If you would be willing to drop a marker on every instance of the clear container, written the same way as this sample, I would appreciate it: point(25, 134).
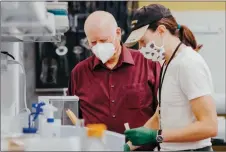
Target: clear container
point(14, 124)
point(114, 141)
point(62, 103)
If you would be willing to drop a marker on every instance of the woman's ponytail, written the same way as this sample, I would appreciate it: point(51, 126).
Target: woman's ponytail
point(185, 34)
point(187, 37)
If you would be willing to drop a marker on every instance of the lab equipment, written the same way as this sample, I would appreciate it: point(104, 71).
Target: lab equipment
point(114, 141)
point(74, 119)
point(61, 50)
point(37, 11)
point(44, 27)
point(20, 127)
point(132, 147)
point(47, 122)
point(71, 116)
point(38, 110)
point(30, 21)
point(62, 103)
point(95, 137)
point(48, 111)
point(60, 14)
point(49, 129)
point(127, 126)
point(14, 125)
point(65, 134)
point(7, 60)
point(23, 21)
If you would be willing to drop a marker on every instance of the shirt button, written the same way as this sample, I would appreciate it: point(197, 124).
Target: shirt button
point(113, 101)
point(113, 116)
point(112, 86)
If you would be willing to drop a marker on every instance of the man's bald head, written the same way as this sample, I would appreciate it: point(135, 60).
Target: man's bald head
point(100, 20)
point(101, 26)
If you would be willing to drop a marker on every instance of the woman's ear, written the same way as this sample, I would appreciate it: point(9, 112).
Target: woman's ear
point(161, 29)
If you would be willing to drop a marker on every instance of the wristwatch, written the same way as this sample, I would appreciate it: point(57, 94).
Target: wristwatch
point(159, 137)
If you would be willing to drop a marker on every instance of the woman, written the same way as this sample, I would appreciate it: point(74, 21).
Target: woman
point(186, 118)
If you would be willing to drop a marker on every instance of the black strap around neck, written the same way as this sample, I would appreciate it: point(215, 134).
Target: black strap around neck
point(162, 74)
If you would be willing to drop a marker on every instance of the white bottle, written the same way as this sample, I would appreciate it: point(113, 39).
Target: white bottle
point(49, 127)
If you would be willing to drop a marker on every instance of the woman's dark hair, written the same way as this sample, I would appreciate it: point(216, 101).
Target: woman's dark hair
point(183, 32)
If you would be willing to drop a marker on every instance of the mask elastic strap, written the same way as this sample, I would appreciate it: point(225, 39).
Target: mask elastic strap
point(162, 41)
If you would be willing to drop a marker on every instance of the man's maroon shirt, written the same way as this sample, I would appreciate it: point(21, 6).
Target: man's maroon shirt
point(125, 94)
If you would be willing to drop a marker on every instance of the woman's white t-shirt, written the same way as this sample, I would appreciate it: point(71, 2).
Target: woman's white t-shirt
point(187, 77)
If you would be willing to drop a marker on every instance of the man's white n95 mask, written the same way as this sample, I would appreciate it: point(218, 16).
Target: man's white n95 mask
point(153, 52)
point(103, 51)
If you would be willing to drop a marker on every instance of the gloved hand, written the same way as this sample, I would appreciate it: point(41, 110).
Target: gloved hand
point(126, 147)
point(141, 135)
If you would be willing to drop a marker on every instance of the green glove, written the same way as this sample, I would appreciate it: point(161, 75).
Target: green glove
point(141, 136)
point(126, 147)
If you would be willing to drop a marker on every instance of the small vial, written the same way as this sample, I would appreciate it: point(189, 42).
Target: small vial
point(127, 126)
point(132, 147)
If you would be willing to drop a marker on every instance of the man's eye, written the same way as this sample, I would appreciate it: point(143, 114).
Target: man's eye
point(93, 43)
point(103, 40)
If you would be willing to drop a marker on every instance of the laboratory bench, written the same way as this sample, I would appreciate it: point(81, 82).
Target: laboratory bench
point(220, 144)
point(219, 147)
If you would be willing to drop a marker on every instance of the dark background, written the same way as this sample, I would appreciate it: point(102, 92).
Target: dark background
point(53, 71)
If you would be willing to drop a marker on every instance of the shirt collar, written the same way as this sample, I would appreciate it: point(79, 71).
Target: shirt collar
point(125, 57)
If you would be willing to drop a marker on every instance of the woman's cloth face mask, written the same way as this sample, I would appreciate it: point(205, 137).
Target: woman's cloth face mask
point(103, 51)
point(153, 52)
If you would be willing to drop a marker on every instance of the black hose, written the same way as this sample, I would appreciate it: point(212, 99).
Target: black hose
point(6, 53)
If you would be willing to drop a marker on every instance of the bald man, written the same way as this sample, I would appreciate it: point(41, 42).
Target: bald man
point(117, 85)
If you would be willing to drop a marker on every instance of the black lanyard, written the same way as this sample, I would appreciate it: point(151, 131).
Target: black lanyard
point(162, 75)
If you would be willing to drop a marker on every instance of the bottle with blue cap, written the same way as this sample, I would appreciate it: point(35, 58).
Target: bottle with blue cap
point(48, 111)
point(31, 130)
point(49, 127)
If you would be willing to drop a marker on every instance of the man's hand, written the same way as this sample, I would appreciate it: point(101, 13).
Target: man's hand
point(126, 147)
point(141, 136)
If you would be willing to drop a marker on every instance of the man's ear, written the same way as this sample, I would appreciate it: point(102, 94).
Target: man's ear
point(119, 33)
point(89, 43)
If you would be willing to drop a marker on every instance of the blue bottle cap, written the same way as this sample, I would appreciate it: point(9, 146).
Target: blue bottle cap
point(29, 130)
point(50, 120)
point(60, 12)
